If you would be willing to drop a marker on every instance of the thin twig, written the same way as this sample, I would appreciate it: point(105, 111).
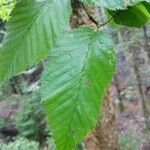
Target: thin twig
point(94, 21)
point(90, 17)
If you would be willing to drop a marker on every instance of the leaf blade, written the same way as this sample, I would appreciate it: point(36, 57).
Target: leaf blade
point(32, 31)
point(115, 4)
point(135, 16)
point(74, 82)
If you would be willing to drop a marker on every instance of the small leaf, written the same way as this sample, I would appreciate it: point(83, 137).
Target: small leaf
point(135, 16)
point(32, 31)
point(73, 84)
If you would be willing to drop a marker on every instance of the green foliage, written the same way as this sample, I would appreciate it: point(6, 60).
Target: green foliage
point(2, 122)
point(135, 16)
point(32, 31)
point(6, 6)
point(74, 82)
point(5, 90)
point(2, 146)
point(115, 4)
point(1, 93)
point(147, 5)
point(128, 140)
point(50, 143)
point(30, 118)
point(20, 144)
point(81, 65)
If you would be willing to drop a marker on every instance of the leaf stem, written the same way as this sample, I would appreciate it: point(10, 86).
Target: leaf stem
point(103, 24)
point(90, 17)
point(94, 21)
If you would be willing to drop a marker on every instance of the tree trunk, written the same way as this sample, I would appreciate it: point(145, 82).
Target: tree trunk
point(104, 136)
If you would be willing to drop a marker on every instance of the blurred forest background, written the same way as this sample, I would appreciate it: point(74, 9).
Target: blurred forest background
point(126, 111)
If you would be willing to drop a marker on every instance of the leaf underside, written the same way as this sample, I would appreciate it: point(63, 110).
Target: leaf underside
point(73, 84)
point(135, 16)
point(31, 33)
point(115, 4)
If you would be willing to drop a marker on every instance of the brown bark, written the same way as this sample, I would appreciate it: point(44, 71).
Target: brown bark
point(104, 136)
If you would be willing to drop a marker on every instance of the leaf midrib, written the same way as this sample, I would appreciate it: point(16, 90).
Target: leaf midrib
point(79, 85)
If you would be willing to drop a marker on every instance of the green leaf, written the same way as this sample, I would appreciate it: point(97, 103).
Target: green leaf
point(114, 4)
point(74, 82)
point(147, 5)
point(32, 31)
point(135, 16)
point(6, 6)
